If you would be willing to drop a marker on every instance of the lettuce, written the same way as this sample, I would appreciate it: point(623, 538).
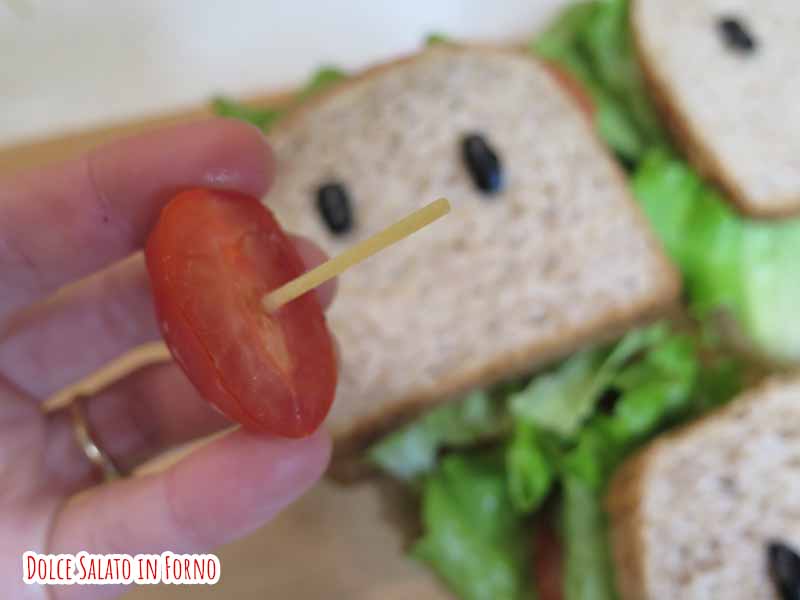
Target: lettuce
point(654, 392)
point(265, 118)
point(324, 78)
point(770, 288)
point(591, 40)
point(607, 43)
point(699, 231)
point(668, 385)
point(659, 379)
point(530, 465)
point(473, 538)
point(412, 450)
point(559, 41)
point(734, 266)
point(554, 407)
point(560, 401)
point(742, 267)
point(436, 38)
point(588, 570)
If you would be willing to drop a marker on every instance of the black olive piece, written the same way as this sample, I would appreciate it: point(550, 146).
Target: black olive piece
point(784, 569)
point(482, 163)
point(735, 35)
point(333, 204)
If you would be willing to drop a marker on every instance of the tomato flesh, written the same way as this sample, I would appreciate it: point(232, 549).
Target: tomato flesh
point(573, 87)
point(211, 257)
point(547, 558)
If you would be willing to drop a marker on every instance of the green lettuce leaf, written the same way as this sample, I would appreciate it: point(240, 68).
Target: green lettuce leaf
point(560, 401)
point(607, 41)
point(473, 538)
point(720, 379)
point(561, 36)
point(698, 229)
point(660, 381)
point(265, 118)
point(436, 38)
point(666, 188)
point(588, 573)
point(562, 44)
point(530, 467)
point(656, 391)
point(412, 451)
point(592, 41)
point(658, 376)
point(553, 408)
point(770, 288)
point(743, 266)
point(322, 79)
point(734, 265)
point(616, 127)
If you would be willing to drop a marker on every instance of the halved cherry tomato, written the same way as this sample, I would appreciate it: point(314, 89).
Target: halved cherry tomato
point(574, 87)
point(211, 257)
point(547, 567)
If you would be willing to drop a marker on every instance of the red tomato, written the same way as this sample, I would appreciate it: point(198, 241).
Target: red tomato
point(574, 87)
point(547, 568)
point(211, 257)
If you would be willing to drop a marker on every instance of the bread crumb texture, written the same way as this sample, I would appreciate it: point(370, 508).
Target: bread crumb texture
point(504, 282)
point(737, 112)
point(692, 515)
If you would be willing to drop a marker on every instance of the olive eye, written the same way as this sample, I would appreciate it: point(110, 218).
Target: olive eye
point(482, 163)
point(333, 205)
point(784, 569)
point(735, 35)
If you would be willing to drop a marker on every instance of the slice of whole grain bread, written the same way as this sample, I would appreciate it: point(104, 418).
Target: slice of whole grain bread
point(691, 514)
point(736, 112)
point(560, 258)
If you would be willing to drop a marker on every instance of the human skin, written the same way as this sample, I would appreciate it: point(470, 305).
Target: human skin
point(74, 294)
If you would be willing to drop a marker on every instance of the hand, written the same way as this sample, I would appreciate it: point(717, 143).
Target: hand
point(81, 225)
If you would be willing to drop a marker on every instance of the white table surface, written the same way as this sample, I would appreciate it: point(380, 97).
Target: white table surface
point(71, 64)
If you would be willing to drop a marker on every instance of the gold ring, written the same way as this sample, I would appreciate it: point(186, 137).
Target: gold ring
point(83, 436)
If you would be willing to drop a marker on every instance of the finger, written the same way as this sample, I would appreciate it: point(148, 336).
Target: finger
point(219, 493)
point(103, 316)
point(79, 329)
point(133, 420)
point(73, 218)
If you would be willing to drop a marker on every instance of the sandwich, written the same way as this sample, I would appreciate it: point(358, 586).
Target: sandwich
point(723, 74)
point(505, 369)
point(540, 213)
point(685, 102)
point(708, 510)
point(544, 262)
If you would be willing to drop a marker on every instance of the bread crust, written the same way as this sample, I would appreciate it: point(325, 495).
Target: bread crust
point(626, 526)
point(699, 153)
point(297, 112)
point(350, 443)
